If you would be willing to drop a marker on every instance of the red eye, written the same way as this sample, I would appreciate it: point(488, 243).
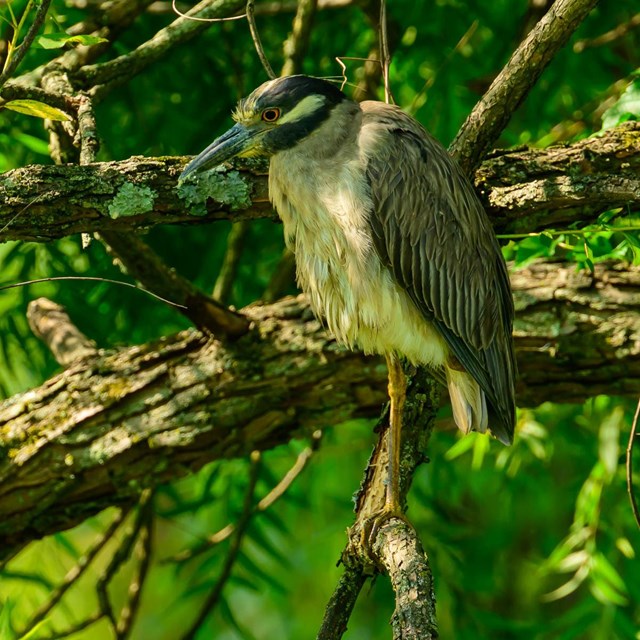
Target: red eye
point(270, 115)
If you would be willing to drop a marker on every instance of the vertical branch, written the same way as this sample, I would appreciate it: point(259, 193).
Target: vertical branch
point(229, 268)
point(295, 47)
point(145, 542)
point(385, 56)
point(629, 466)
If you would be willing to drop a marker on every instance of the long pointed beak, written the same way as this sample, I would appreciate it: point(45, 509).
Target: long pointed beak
point(227, 146)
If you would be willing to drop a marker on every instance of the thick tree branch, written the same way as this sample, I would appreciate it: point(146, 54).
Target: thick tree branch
point(524, 189)
point(93, 435)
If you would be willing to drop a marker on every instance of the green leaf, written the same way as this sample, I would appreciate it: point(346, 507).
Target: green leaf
point(36, 109)
point(626, 108)
point(59, 40)
point(609, 442)
point(603, 570)
point(5, 620)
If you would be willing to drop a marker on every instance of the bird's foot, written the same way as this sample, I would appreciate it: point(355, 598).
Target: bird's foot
point(373, 525)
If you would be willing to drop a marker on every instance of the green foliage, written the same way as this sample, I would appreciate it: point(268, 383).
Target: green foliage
point(36, 109)
point(536, 541)
point(626, 108)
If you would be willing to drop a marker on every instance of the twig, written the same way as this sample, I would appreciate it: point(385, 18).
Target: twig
point(121, 69)
point(177, 11)
point(610, 36)
point(255, 36)
point(76, 572)
point(385, 56)
point(399, 550)
point(121, 555)
point(341, 604)
point(297, 43)
point(232, 554)
point(13, 285)
point(409, 575)
point(87, 130)
point(231, 260)
point(23, 47)
point(630, 490)
point(277, 492)
point(466, 36)
point(494, 110)
point(145, 542)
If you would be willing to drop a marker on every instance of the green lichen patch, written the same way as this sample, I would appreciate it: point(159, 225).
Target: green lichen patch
point(226, 187)
point(131, 200)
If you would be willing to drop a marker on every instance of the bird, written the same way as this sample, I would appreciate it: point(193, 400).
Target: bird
point(393, 247)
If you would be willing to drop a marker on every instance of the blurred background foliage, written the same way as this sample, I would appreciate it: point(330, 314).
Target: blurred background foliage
point(536, 541)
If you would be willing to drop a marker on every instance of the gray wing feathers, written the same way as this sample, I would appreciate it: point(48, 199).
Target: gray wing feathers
point(431, 230)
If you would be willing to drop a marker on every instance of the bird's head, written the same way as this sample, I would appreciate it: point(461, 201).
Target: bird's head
point(276, 116)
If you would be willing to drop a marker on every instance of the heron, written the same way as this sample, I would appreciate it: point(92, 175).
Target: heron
point(393, 247)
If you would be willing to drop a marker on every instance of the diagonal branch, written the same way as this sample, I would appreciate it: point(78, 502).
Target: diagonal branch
point(490, 116)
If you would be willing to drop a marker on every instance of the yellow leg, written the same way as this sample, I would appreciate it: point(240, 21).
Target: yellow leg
point(397, 396)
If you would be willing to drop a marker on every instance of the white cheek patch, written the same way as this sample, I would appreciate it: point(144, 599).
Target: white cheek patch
point(305, 107)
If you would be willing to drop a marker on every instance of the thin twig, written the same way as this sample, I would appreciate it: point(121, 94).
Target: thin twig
point(145, 543)
point(23, 47)
point(75, 572)
point(297, 43)
point(630, 490)
point(87, 130)
point(468, 34)
point(610, 36)
point(275, 494)
point(234, 549)
point(92, 279)
point(121, 555)
point(385, 56)
point(196, 19)
point(145, 265)
point(256, 39)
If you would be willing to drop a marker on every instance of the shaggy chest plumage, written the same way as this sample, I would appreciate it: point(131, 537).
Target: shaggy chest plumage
point(324, 204)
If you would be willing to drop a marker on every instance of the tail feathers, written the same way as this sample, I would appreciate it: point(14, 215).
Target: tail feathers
point(467, 401)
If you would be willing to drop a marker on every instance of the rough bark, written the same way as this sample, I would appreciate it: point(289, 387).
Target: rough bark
point(95, 434)
point(524, 190)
